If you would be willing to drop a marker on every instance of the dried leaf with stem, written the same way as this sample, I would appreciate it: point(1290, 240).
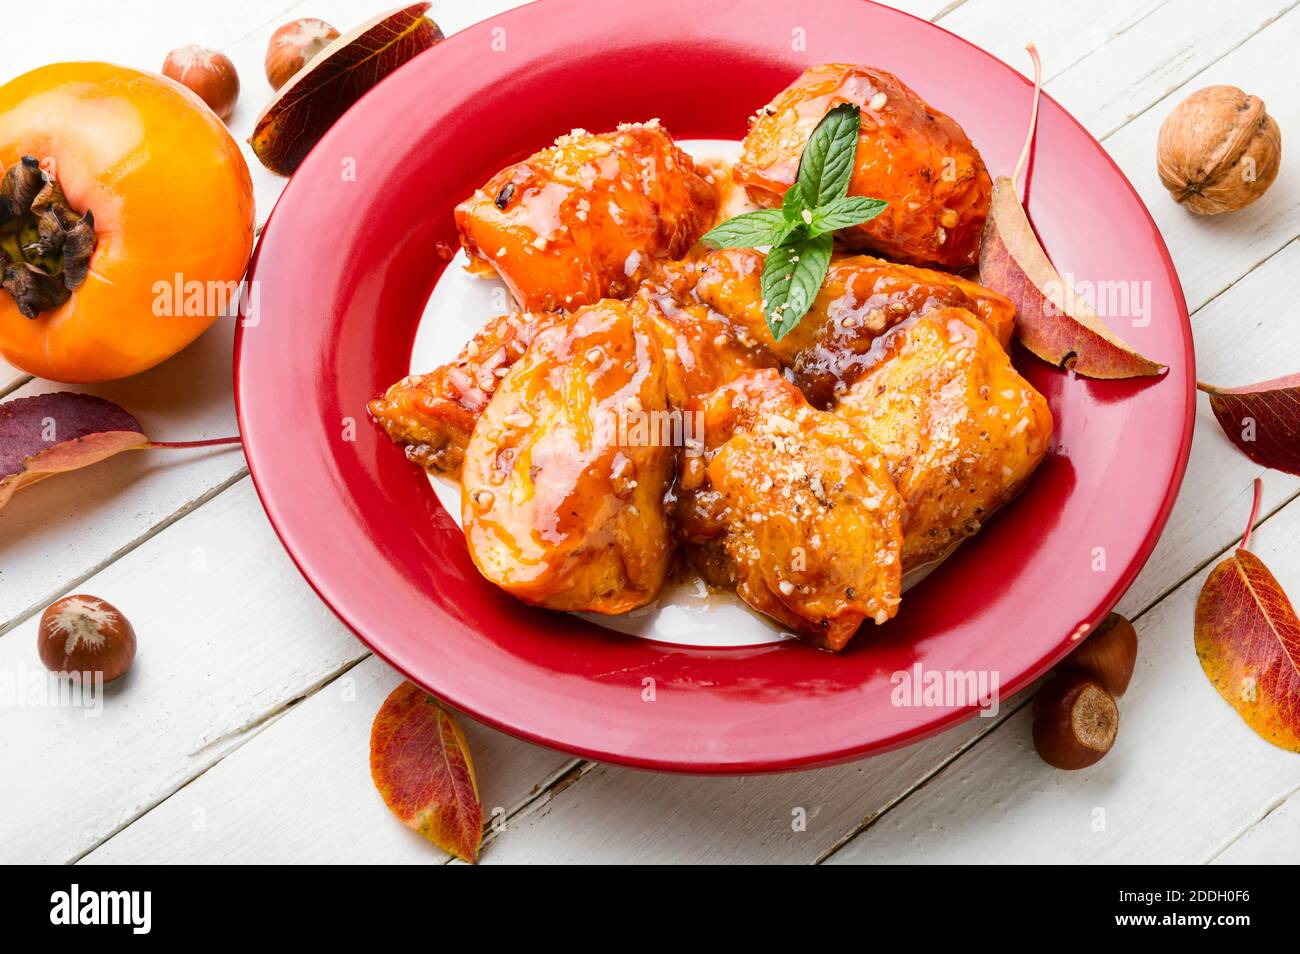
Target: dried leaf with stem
point(1052, 321)
point(50, 434)
point(1263, 420)
point(1248, 642)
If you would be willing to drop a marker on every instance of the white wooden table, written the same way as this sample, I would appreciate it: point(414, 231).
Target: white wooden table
point(242, 732)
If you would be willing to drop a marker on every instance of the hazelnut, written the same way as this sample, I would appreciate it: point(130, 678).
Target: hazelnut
point(207, 73)
point(1075, 721)
point(85, 634)
point(1218, 150)
point(293, 46)
point(1108, 655)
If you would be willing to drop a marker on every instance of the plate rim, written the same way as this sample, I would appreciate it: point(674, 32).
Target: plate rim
point(941, 719)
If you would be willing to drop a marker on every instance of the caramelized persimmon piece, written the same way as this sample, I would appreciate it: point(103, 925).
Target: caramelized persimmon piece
point(909, 154)
point(562, 490)
point(703, 347)
point(432, 415)
point(861, 298)
point(586, 218)
point(961, 429)
point(794, 508)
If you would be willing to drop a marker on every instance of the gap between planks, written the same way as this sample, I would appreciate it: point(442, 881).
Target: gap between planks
point(233, 741)
point(1195, 73)
point(67, 585)
point(551, 784)
point(945, 11)
point(1251, 826)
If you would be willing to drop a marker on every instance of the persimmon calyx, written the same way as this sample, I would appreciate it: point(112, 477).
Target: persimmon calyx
point(45, 245)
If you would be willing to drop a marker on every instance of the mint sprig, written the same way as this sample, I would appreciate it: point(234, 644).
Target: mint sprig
point(799, 233)
point(793, 273)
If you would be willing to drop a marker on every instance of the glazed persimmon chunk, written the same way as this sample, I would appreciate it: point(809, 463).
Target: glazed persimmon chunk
point(861, 298)
point(562, 506)
point(586, 218)
point(960, 428)
point(793, 508)
point(909, 154)
point(433, 415)
point(704, 349)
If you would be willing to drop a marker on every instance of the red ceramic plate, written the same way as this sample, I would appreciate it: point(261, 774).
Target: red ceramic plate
point(345, 268)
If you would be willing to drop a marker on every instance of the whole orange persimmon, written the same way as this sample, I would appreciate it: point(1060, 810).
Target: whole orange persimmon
point(120, 188)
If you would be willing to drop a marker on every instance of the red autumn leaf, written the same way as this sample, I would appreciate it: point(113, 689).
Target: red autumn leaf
point(51, 433)
point(311, 102)
point(1263, 420)
point(1248, 641)
point(1052, 320)
point(420, 762)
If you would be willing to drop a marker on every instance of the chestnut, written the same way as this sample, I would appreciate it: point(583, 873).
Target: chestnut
point(293, 46)
point(208, 73)
point(1108, 655)
point(1075, 721)
point(85, 634)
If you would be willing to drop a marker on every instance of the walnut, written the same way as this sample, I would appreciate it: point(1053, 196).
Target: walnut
point(1218, 150)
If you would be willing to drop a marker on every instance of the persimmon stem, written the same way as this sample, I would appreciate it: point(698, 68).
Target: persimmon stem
point(211, 442)
point(1254, 512)
point(1033, 114)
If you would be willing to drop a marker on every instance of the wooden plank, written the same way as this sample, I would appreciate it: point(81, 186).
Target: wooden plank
point(1241, 336)
point(300, 791)
point(1273, 840)
point(59, 530)
point(11, 378)
point(1212, 252)
point(138, 33)
point(615, 814)
point(1109, 61)
point(229, 634)
point(1185, 777)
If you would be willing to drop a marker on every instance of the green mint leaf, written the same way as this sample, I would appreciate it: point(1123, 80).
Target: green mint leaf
point(793, 205)
point(844, 212)
point(826, 165)
point(790, 232)
point(792, 276)
point(765, 227)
